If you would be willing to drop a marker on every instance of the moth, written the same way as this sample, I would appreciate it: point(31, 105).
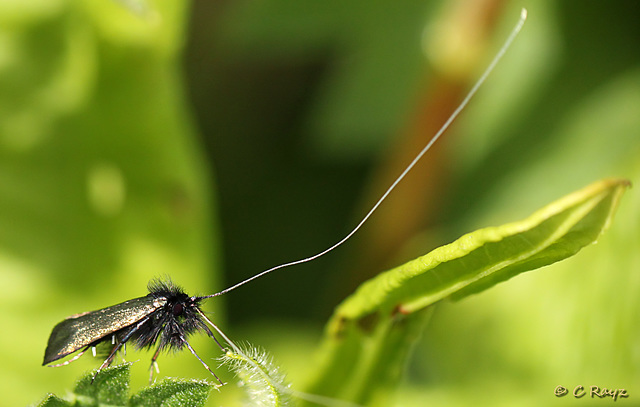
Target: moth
point(167, 316)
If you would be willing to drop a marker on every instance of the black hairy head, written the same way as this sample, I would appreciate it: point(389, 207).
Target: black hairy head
point(170, 325)
point(164, 288)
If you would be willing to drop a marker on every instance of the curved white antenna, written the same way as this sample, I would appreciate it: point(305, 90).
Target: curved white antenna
point(445, 126)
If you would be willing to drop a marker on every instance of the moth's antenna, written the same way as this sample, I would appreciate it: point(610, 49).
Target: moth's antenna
point(445, 126)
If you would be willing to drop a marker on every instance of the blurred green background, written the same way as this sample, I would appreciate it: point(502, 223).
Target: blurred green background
point(211, 140)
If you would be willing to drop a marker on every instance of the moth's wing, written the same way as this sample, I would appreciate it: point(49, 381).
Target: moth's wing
point(81, 330)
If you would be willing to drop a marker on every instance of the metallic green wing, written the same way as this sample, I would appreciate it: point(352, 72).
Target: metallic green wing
point(80, 330)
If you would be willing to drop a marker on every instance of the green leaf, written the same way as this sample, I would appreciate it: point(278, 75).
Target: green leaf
point(487, 256)
point(370, 334)
point(54, 401)
point(110, 387)
point(173, 392)
point(261, 377)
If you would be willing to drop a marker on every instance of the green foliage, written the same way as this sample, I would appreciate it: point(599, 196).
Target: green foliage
point(174, 393)
point(262, 379)
point(54, 401)
point(110, 387)
point(369, 335)
point(488, 256)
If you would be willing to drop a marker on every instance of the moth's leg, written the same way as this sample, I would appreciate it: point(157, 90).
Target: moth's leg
point(114, 340)
point(219, 344)
point(202, 314)
point(66, 362)
point(184, 340)
point(108, 360)
point(154, 365)
point(124, 352)
point(118, 345)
